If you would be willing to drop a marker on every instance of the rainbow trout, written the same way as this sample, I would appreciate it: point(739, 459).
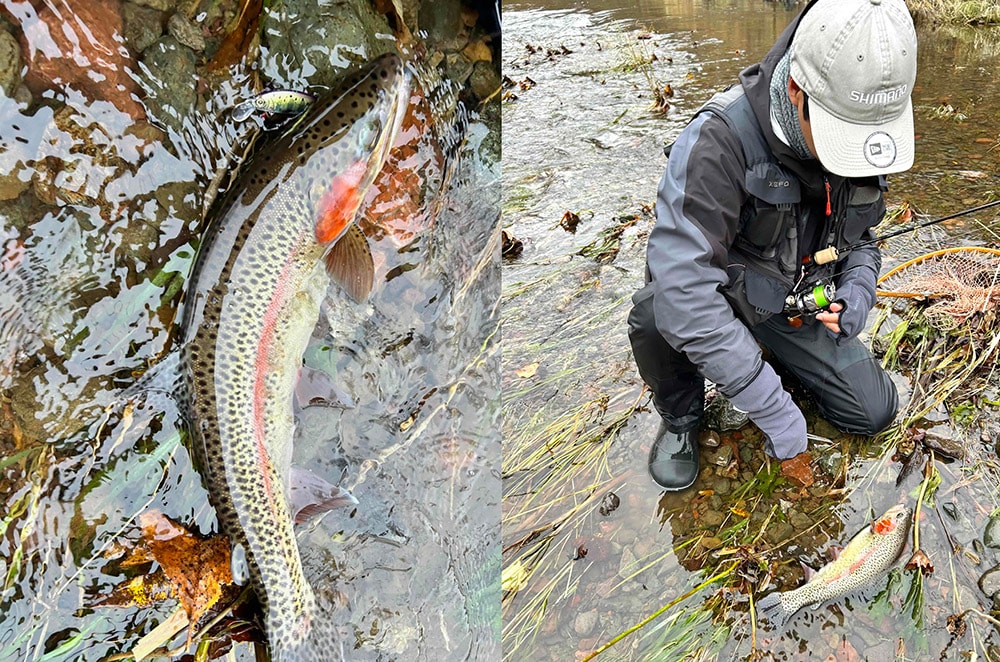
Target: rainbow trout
point(285, 228)
point(867, 556)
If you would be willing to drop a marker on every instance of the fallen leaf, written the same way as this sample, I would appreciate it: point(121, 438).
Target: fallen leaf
point(190, 569)
point(920, 561)
point(527, 371)
point(240, 39)
point(197, 568)
point(799, 470)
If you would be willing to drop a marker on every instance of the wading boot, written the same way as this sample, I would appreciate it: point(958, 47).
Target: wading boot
point(673, 460)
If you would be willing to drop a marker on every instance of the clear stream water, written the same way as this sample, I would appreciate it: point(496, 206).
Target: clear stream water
point(95, 252)
point(579, 137)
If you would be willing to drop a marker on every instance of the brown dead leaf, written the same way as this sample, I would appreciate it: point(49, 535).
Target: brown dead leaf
point(527, 371)
point(240, 39)
point(920, 561)
point(393, 11)
point(197, 568)
point(191, 569)
point(798, 470)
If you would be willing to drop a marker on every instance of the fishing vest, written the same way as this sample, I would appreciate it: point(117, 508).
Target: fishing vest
point(765, 255)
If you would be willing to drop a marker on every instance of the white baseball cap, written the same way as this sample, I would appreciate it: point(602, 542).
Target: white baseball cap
point(857, 61)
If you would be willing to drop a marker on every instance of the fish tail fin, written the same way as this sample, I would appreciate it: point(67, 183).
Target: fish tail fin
point(321, 643)
point(773, 608)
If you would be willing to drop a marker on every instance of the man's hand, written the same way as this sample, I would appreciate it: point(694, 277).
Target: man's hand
point(831, 319)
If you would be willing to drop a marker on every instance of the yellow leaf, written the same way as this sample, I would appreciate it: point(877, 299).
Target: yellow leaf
point(513, 577)
point(527, 371)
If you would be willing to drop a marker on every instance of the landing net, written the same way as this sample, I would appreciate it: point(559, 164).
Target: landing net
point(960, 282)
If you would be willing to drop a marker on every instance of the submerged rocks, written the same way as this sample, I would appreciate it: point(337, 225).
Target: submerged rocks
point(989, 583)
point(10, 63)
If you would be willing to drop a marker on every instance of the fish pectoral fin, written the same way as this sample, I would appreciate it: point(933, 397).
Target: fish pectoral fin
point(238, 564)
point(315, 388)
point(349, 263)
point(310, 495)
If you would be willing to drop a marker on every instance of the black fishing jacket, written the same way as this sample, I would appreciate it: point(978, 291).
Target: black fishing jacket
point(731, 232)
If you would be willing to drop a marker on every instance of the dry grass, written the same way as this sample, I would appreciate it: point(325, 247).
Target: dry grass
point(955, 12)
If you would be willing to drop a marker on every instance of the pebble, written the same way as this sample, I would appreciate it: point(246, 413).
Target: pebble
point(186, 32)
point(830, 461)
point(991, 537)
point(713, 518)
point(711, 542)
point(627, 566)
point(709, 439)
point(585, 623)
point(722, 456)
point(10, 63)
point(723, 486)
point(799, 520)
point(989, 583)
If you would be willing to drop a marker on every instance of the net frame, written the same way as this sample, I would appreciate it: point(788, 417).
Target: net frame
point(957, 253)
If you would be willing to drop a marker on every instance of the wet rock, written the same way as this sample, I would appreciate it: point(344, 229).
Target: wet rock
point(628, 565)
point(778, 532)
point(720, 457)
point(991, 536)
point(171, 94)
point(484, 80)
point(478, 51)
point(944, 446)
point(830, 461)
point(142, 26)
point(66, 53)
point(798, 520)
point(713, 519)
point(159, 5)
point(721, 415)
point(186, 32)
point(989, 583)
point(585, 623)
point(609, 504)
point(709, 439)
point(444, 23)
point(329, 36)
point(711, 542)
point(10, 63)
point(457, 67)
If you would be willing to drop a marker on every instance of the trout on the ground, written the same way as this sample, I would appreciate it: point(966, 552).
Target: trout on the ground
point(866, 557)
point(284, 229)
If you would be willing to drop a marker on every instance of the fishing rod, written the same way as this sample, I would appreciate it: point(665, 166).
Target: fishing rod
point(817, 295)
point(831, 254)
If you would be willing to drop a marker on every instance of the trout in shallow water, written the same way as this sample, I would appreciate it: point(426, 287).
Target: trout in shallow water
point(866, 557)
point(285, 228)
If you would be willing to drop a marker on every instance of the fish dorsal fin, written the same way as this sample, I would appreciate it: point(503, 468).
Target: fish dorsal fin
point(349, 263)
point(310, 495)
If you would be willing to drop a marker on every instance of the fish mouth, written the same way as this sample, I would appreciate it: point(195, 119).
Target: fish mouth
point(392, 121)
